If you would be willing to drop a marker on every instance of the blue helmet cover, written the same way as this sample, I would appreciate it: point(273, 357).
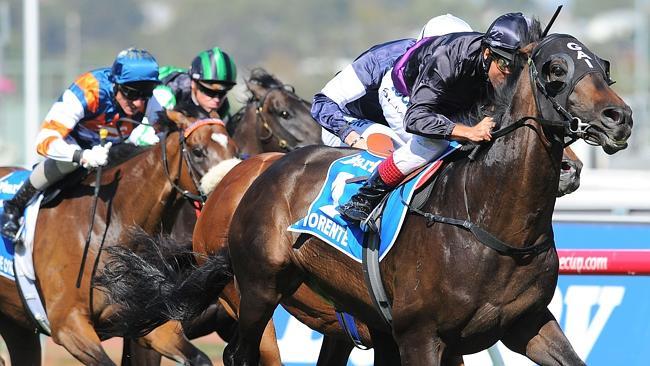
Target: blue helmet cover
point(132, 65)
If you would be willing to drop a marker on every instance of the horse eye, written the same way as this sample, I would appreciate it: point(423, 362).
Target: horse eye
point(557, 71)
point(198, 152)
point(284, 114)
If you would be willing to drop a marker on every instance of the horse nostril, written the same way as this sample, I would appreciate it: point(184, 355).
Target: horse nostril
point(615, 114)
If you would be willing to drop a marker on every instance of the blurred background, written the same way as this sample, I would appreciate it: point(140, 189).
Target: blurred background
point(304, 43)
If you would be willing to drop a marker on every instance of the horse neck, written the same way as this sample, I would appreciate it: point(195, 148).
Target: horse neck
point(245, 135)
point(511, 190)
point(150, 194)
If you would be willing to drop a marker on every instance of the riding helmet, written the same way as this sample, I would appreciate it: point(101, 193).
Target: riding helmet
point(134, 65)
point(214, 66)
point(506, 34)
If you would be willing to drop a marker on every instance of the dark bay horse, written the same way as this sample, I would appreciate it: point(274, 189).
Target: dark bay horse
point(143, 191)
point(211, 234)
point(450, 293)
point(274, 119)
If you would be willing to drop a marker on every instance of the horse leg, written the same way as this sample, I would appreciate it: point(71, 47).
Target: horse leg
point(76, 334)
point(539, 337)
point(169, 340)
point(386, 350)
point(227, 305)
point(334, 351)
point(23, 344)
point(419, 346)
point(134, 354)
point(257, 306)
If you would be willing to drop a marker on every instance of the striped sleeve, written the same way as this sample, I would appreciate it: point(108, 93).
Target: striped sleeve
point(78, 100)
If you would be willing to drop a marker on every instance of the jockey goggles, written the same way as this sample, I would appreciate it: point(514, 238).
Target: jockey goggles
point(502, 64)
point(132, 93)
point(212, 93)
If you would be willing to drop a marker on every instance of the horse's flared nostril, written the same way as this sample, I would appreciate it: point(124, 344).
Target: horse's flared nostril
point(616, 115)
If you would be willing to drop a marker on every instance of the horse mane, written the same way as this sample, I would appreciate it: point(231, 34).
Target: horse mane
point(262, 77)
point(500, 99)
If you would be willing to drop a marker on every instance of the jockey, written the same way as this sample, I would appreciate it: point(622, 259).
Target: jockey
point(447, 75)
point(361, 99)
point(69, 135)
point(201, 91)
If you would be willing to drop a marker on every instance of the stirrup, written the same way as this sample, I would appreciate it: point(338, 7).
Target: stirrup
point(16, 237)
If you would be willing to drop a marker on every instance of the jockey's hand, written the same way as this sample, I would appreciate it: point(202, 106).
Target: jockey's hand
point(143, 135)
point(478, 133)
point(95, 157)
point(355, 140)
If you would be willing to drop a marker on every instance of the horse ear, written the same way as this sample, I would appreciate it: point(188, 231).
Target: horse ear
point(256, 88)
point(178, 118)
point(528, 49)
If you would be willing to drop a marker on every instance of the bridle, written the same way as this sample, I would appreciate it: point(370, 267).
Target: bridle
point(269, 134)
point(553, 114)
point(185, 154)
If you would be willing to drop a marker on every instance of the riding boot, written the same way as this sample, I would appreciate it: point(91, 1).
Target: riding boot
point(370, 194)
point(14, 208)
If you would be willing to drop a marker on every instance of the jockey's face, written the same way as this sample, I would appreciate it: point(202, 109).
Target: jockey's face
point(208, 99)
point(497, 71)
point(132, 101)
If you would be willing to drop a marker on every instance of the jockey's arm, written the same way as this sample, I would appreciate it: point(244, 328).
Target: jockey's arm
point(328, 107)
point(61, 119)
point(145, 135)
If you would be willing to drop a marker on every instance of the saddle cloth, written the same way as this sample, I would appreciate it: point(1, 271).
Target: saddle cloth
point(323, 221)
point(17, 260)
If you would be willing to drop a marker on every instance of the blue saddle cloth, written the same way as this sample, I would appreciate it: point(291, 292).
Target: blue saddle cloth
point(9, 185)
point(323, 221)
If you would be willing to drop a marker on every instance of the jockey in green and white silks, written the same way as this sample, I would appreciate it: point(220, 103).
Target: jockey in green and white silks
point(69, 137)
point(202, 90)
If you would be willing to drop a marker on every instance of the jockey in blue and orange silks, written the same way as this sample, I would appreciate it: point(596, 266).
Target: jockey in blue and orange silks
point(69, 137)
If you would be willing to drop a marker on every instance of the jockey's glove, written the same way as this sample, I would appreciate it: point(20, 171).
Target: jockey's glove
point(143, 135)
point(95, 157)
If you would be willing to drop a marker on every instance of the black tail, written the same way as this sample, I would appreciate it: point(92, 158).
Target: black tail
point(155, 284)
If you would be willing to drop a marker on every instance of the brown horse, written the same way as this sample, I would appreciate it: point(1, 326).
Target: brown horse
point(274, 118)
point(144, 191)
point(211, 234)
point(475, 300)
point(481, 293)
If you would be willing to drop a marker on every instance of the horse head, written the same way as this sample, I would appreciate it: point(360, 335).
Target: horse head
point(284, 120)
point(569, 173)
point(573, 84)
point(207, 151)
